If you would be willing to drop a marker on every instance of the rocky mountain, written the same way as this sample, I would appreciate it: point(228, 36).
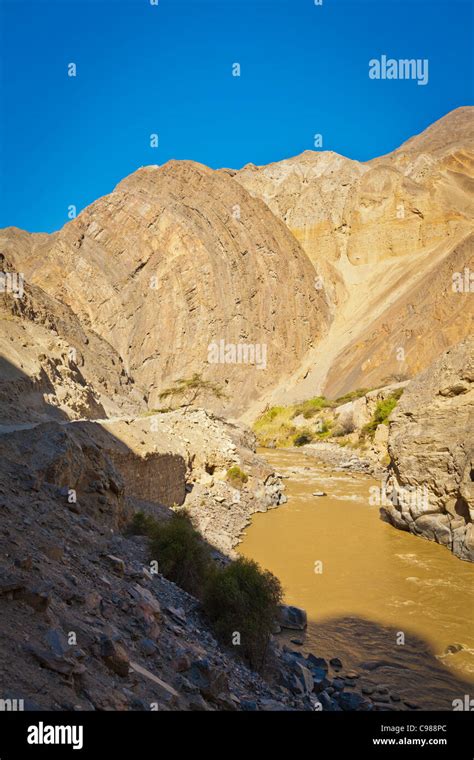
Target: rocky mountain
point(313, 274)
point(430, 486)
point(316, 274)
point(175, 260)
point(387, 237)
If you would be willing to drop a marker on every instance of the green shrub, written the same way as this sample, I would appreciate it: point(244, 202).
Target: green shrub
point(273, 427)
point(381, 414)
point(324, 430)
point(270, 415)
point(302, 439)
point(142, 524)
point(311, 407)
point(242, 598)
point(236, 476)
point(189, 389)
point(351, 396)
point(182, 555)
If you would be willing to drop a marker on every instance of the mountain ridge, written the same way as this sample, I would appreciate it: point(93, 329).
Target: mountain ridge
point(347, 241)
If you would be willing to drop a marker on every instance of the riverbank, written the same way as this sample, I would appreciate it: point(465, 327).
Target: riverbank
point(341, 458)
point(395, 610)
point(140, 639)
point(88, 622)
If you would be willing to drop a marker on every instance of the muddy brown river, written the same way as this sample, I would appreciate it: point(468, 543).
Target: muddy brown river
point(397, 609)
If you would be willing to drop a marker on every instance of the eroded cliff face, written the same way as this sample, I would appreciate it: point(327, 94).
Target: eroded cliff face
point(387, 236)
point(338, 274)
point(431, 476)
point(423, 315)
point(183, 459)
point(52, 366)
point(176, 259)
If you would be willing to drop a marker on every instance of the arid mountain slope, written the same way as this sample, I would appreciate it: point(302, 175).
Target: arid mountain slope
point(387, 236)
point(453, 131)
point(417, 325)
point(180, 258)
point(51, 366)
point(175, 259)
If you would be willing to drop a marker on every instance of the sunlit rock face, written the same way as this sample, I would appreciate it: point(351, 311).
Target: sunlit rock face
point(431, 479)
point(391, 238)
point(180, 258)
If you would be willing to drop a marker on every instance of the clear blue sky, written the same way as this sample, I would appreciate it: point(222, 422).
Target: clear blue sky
point(167, 69)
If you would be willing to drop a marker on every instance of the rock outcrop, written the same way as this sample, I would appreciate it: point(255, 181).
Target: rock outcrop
point(53, 366)
point(430, 487)
point(177, 459)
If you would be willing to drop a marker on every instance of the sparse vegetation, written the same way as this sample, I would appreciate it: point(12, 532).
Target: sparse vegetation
point(351, 396)
point(276, 426)
point(381, 414)
point(270, 414)
point(182, 555)
point(142, 524)
point(310, 408)
point(189, 390)
point(162, 410)
point(236, 476)
point(243, 599)
point(324, 428)
point(239, 598)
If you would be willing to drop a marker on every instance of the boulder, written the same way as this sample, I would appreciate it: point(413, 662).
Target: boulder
point(349, 702)
point(211, 681)
point(291, 617)
point(115, 656)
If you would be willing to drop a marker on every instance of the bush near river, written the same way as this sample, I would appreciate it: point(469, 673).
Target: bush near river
point(240, 600)
point(320, 419)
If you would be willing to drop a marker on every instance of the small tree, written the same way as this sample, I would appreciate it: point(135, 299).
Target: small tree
point(243, 599)
point(142, 525)
point(182, 555)
point(190, 389)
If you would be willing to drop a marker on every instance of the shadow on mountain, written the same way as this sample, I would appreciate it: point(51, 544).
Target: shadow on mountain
point(80, 474)
point(43, 446)
point(22, 399)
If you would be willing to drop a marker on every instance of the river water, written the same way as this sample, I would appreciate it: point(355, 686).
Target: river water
point(396, 608)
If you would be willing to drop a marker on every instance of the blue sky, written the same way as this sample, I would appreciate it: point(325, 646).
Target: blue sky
point(167, 69)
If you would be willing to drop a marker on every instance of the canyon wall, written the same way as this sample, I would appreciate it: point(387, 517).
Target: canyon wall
point(431, 435)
